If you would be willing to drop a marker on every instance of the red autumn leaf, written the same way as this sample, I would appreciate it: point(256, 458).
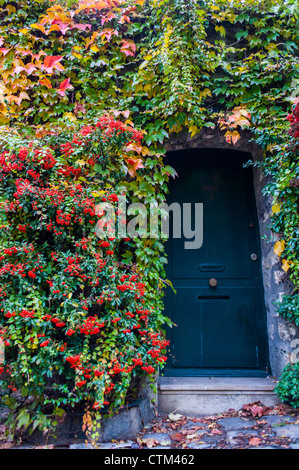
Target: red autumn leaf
point(124, 19)
point(178, 436)
point(4, 50)
point(255, 441)
point(215, 431)
point(65, 85)
point(228, 137)
point(82, 27)
point(107, 33)
point(18, 69)
point(109, 17)
point(126, 114)
point(52, 62)
point(256, 410)
point(58, 25)
point(128, 48)
point(30, 68)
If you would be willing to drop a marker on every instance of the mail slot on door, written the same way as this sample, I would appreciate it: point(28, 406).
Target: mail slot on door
point(206, 268)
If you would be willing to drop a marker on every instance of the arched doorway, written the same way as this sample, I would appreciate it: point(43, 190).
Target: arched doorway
point(218, 306)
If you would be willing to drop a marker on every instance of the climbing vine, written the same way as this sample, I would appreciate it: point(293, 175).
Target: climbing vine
point(168, 66)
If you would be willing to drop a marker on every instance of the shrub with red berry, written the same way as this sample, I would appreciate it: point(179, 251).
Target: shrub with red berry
point(81, 316)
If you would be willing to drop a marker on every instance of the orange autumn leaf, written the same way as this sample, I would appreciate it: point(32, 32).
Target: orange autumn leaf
point(46, 82)
point(134, 165)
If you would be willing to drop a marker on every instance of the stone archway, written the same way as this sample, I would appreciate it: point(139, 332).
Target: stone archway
point(280, 332)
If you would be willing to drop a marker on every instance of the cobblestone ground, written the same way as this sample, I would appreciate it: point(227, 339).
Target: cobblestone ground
point(252, 427)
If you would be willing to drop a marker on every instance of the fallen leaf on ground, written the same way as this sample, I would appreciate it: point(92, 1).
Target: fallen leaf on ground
point(215, 431)
point(255, 441)
point(253, 409)
point(165, 442)
point(6, 445)
point(149, 442)
point(175, 417)
point(178, 436)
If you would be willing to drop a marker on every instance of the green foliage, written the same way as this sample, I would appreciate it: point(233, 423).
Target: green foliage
point(177, 66)
point(81, 317)
point(288, 387)
point(289, 308)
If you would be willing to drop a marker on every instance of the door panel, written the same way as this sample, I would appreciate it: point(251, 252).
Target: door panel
point(217, 330)
point(223, 192)
point(221, 327)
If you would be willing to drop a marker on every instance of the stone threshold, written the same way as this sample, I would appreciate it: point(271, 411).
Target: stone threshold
point(199, 396)
point(216, 384)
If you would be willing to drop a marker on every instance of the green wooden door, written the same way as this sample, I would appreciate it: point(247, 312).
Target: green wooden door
point(220, 329)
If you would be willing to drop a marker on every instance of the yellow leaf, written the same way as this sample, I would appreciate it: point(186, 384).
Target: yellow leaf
point(70, 295)
point(80, 162)
point(221, 30)
point(235, 137)
point(75, 54)
point(94, 48)
point(147, 87)
point(279, 247)
point(71, 117)
point(276, 208)
point(193, 130)
point(11, 9)
point(286, 265)
point(38, 26)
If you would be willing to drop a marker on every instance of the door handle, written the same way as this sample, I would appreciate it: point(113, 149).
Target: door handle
point(213, 282)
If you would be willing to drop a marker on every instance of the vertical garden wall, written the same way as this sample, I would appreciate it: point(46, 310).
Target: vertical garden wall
point(90, 93)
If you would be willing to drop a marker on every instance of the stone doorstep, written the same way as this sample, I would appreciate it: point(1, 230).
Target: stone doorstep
point(199, 396)
point(216, 384)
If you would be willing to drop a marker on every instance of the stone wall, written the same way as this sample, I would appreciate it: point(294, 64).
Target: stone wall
point(281, 333)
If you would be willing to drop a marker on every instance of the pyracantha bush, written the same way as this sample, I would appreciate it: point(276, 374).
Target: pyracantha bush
point(80, 317)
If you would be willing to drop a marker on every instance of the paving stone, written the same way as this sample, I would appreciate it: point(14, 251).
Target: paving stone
point(197, 445)
point(232, 436)
point(24, 447)
point(81, 446)
point(103, 445)
point(231, 424)
point(158, 436)
point(290, 430)
point(160, 447)
point(277, 419)
point(264, 447)
point(294, 445)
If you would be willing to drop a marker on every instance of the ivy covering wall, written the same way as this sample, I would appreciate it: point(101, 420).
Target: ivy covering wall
point(167, 66)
